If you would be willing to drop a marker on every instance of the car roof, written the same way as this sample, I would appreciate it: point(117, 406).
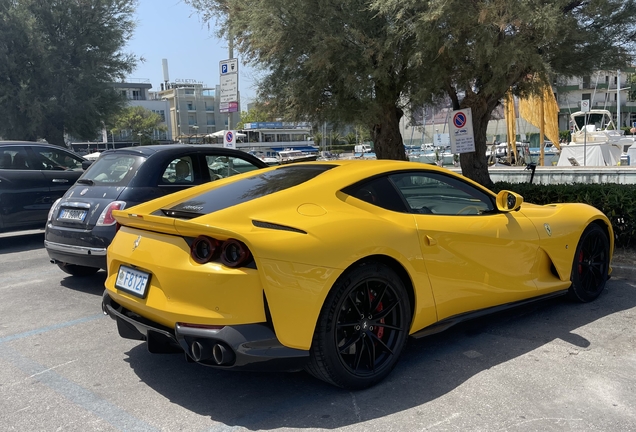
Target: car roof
point(37, 143)
point(19, 143)
point(174, 148)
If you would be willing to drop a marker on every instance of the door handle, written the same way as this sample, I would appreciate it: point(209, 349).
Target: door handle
point(430, 240)
point(60, 181)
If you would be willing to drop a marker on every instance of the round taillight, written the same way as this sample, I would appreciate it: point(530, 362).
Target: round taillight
point(235, 253)
point(204, 249)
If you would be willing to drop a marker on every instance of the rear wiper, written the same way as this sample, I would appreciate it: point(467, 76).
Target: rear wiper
point(86, 181)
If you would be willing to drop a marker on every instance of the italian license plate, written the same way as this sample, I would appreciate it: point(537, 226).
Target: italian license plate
point(132, 281)
point(72, 214)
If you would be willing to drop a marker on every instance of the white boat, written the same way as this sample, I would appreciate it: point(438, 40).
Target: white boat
point(595, 140)
point(291, 156)
point(266, 156)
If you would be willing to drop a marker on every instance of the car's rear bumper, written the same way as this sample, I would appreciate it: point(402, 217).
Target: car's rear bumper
point(242, 347)
point(79, 255)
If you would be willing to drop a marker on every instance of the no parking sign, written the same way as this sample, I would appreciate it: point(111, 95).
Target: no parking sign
point(461, 131)
point(229, 139)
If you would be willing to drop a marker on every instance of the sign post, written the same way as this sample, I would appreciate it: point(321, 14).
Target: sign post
point(462, 137)
point(229, 139)
point(585, 107)
point(228, 98)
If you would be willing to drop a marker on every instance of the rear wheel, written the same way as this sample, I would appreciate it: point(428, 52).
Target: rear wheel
point(591, 265)
point(77, 270)
point(362, 328)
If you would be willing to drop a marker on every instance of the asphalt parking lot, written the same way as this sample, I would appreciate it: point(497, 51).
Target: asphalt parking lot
point(552, 366)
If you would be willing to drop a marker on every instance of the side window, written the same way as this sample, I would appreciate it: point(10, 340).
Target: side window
point(179, 171)
point(227, 166)
point(380, 192)
point(6, 158)
point(54, 159)
point(438, 194)
point(15, 158)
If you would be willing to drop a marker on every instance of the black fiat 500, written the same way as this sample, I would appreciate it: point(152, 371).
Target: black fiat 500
point(80, 225)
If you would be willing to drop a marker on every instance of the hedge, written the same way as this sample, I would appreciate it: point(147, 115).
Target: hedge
point(617, 201)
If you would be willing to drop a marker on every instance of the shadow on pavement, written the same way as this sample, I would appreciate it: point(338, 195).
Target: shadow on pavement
point(93, 284)
point(428, 369)
point(21, 243)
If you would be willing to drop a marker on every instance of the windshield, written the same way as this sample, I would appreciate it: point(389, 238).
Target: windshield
point(113, 169)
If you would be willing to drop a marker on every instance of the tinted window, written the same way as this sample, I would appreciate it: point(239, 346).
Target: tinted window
point(113, 169)
point(56, 159)
point(179, 171)
point(380, 192)
point(247, 189)
point(433, 193)
point(15, 158)
point(226, 166)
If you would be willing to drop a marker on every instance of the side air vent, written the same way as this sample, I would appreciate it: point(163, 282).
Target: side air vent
point(274, 226)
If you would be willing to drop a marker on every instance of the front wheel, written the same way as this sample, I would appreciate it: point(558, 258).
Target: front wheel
point(362, 328)
point(77, 270)
point(591, 265)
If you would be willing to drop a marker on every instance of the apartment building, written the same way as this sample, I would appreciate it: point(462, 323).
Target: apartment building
point(610, 90)
point(138, 93)
point(194, 110)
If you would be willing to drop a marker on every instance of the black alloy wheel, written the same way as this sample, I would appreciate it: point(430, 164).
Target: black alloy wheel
point(362, 328)
point(591, 265)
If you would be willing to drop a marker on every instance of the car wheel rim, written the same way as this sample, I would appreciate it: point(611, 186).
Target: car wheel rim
point(592, 262)
point(368, 327)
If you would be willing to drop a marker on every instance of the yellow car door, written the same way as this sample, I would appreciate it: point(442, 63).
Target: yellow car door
point(475, 256)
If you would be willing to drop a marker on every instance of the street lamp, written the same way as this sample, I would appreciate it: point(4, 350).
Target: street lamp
point(139, 134)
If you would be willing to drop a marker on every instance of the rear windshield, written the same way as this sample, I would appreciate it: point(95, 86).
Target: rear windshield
point(246, 190)
point(113, 169)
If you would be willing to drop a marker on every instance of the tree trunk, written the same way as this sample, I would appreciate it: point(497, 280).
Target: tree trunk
point(386, 135)
point(475, 165)
point(54, 133)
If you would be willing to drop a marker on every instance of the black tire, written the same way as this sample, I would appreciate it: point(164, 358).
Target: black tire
point(362, 328)
point(77, 270)
point(591, 265)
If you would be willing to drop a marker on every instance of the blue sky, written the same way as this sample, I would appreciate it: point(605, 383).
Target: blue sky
point(172, 30)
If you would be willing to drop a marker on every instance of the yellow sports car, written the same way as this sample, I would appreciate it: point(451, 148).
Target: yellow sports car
point(330, 266)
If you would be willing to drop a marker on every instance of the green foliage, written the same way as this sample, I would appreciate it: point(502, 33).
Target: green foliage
point(58, 60)
point(256, 114)
point(368, 60)
point(140, 122)
point(617, 201)
point(350, 138)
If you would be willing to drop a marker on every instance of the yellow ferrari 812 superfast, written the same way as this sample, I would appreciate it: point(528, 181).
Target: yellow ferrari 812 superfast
point(331, 266)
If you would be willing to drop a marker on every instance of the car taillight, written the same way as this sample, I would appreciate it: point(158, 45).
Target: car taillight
point(233, 253)
point(106, 218)
point(204, 249)
point(52, 209)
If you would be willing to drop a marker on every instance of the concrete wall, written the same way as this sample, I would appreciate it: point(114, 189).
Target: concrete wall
point(563, 175)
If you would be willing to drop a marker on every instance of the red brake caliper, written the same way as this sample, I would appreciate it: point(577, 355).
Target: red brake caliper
point(581, 262)
point(379, 331)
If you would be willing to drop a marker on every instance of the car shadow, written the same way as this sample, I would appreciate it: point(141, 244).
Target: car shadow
point(21, 243)
point(429, 368)
point(93, 284)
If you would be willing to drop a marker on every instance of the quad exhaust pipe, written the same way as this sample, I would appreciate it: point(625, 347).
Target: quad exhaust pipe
point(215, 351)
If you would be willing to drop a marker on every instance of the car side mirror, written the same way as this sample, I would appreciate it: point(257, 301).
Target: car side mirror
point(86, 164)
point(508, 201)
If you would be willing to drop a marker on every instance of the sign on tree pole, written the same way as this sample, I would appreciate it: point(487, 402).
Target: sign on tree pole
point(462, 137)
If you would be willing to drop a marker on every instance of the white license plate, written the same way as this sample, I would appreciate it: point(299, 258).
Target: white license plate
point(132, 280)
point(71, 214)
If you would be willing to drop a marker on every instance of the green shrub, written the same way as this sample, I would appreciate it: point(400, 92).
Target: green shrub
point(617, 201)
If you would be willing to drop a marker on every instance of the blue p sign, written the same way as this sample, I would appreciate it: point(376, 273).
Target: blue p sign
point(224, 68)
